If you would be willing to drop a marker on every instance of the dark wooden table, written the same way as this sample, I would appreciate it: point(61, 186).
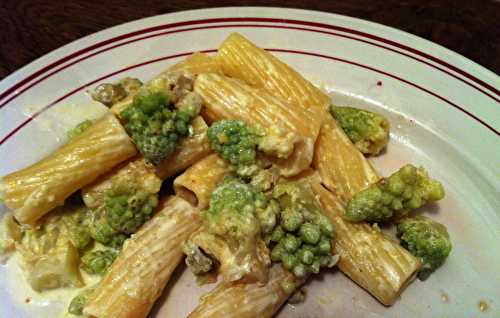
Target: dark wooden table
point(32, 28)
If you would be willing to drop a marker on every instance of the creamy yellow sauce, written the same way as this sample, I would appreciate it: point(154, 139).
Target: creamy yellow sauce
point(46, 304)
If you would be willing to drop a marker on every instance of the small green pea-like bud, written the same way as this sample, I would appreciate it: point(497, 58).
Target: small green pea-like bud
point(306, 256)
point(289, 260)
point(291, 243)
point(315, 266)
point(278, 234)
point(326, 227)
point(291, 220)
point(276, 253)
point(300, 270)
point(324, 246)
point(310, 233)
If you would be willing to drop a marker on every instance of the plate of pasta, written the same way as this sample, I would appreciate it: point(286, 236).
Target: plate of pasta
point(250, 162)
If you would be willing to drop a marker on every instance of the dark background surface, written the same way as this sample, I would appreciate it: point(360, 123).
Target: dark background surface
point(30, 29)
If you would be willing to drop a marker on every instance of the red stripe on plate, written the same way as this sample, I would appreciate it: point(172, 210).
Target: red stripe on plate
point(299, 22)
point(18, 93)
point(10, 134)
point(29, 119)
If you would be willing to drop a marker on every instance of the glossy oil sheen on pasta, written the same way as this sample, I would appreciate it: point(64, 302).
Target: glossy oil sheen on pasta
point(34, 191)
point(239, 300)
point(227, 98)
point(342, 167)
point(143, 268)
point(196, 184)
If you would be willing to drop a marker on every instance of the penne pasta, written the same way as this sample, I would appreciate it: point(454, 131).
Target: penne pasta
point(379, 265)
point(137, 277)
point(191, 150)
point(240, 300)
point(342, 168)
point(35, 190)
point(196, 184)
point(294, 129)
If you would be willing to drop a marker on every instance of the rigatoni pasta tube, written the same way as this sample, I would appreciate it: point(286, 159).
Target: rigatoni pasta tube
point(343, 169)
point(379, 265)
point(34, 191)
point(240, 300)
point(191, 149)
point(198, 63)
point(141, 271)
point(293, 129)
point(242, 59)
point(198, 181)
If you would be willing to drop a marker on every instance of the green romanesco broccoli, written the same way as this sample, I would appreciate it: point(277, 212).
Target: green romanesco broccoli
point(78, 302)
point(123, 214)
point(426, 239)
point(407, 189)
point(78, 129)
point(98, 262)
point(232, 231)
point(237, 143)
point(156, 126)
point(303, 240)
point(368, 131)
point(196, 260)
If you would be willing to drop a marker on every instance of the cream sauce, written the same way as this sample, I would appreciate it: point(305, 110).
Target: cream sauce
point(46, 304)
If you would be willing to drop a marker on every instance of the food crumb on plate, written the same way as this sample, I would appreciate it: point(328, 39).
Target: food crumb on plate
point(483, 305)
point(444, 297)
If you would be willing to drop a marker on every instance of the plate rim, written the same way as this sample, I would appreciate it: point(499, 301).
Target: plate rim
point(369, 24)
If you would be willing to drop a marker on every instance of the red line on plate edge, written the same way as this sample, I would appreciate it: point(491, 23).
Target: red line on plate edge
point(238, 25)
point(10, 134)
point(256, 19)
point(24, 123)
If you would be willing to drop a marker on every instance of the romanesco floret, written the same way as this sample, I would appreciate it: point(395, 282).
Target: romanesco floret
point(407, 189)
point(426, 239)
point(232, 230)
point(78, 129)
point(196, 260)
point(98, 262)
point(156, 126)
point(236, 143)
point(303, 240)
point(123, 214)
point(78, 302)
point(368, 131)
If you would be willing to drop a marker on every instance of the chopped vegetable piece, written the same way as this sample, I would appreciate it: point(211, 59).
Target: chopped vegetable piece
point(426, 239)
point(78, 302)
point(78, 129)
point(236, 143)
point(407, 189)
point(98, 262)
point(125, 211)
point(196, 260)
point(368, 131)
point(156, 126)
point(233, 226)
point(303, 240)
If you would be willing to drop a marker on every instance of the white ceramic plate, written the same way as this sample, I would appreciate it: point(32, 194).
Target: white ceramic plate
point(444, 110)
